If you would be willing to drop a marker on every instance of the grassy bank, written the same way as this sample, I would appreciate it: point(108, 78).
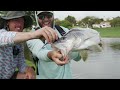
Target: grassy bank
point(112, 32)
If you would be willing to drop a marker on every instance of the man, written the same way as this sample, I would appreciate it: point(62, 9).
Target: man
point(48, 66)
point(11, 47)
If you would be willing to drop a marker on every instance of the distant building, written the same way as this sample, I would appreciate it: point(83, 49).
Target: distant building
point(102, 25)
point(105, 24)
point(96, 25)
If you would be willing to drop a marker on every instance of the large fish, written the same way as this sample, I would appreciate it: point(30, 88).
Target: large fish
point(79, 40)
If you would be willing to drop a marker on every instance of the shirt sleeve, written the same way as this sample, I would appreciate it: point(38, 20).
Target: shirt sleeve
point(6, 38)
point(36, 47)
point(21, 60)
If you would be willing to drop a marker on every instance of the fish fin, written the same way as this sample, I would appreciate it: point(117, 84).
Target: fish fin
point(84, 55)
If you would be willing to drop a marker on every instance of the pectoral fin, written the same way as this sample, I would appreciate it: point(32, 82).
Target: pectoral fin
point(84, 55)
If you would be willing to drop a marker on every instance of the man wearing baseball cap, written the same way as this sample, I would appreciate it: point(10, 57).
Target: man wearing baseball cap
point(40, 15)
point(49, 65)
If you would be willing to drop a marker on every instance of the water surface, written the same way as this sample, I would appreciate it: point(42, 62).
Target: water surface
point(101, 65)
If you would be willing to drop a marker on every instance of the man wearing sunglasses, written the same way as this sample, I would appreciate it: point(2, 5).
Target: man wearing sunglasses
point(11, 47)
point(48, 65)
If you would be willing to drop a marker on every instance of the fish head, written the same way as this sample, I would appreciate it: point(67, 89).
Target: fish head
point(63, 44)
point(59, 47)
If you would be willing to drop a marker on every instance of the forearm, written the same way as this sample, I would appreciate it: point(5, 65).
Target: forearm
point(36, 47)
point(21, 60)
point(10, 38)
point(6, 38)
point(43, 55)
point(24, 36)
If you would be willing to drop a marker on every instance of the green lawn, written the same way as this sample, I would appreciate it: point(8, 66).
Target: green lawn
point(113, 32)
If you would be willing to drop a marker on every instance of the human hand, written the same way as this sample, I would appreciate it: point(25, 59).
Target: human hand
point(47, 33)
point(21, 75)
point(57, 57)
point(30, 73)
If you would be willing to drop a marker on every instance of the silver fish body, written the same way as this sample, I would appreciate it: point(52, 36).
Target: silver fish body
point(81, 40)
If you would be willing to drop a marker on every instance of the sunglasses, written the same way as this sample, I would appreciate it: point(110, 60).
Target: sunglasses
point(43, 15)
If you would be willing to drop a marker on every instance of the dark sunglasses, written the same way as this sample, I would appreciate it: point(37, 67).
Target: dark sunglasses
point(16, 51)
point(43, 15)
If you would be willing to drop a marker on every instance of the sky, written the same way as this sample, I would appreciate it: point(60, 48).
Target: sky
point(81, 14)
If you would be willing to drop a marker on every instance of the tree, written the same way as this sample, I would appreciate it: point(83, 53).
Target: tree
point(32, 14)
point(71, 19)
point(90, 20)
point(66, 24)
point(81, 24)
point(57, 21)
point(115, 22)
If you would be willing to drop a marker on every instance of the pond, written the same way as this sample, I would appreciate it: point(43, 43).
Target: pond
point(101, 65)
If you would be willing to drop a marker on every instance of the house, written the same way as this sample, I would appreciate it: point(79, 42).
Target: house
point(105, 24)
point(102, 25)
point(96, 25)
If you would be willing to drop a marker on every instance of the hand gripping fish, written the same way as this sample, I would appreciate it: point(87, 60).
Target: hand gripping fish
point(79, 40)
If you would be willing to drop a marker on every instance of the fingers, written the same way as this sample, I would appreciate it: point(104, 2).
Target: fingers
point(49, 34)
point(59, 62)
point(66, 59)
point(21, 76)
point(27, 76)
point(30, 74)
point(44, 34)
point(56, 56)
point(52, 33)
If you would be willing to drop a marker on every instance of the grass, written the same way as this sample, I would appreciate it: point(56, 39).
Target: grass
point(112, 32)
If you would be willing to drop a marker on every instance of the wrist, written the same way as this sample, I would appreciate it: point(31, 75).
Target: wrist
point(37, 34)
